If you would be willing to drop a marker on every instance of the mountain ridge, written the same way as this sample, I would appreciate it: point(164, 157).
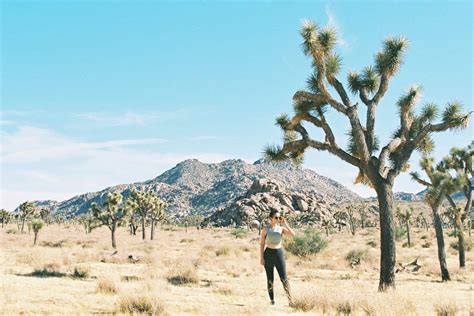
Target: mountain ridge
point(192, 186)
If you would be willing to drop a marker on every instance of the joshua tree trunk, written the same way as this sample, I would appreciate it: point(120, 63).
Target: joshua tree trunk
point(114, 243)
point(143, 228)
point(22, 225)
point(440, 241)
point(387, 236)
point(408, 233)
point(36, 238)
point(462, 258)
point(152, 230)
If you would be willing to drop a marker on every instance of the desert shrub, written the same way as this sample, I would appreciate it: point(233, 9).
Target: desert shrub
point(372, 243)
point(356, 254)
point(48, 270)
point(81, 272)
point(468, 245)
point(344, 308)
point(182, 276)
point(223, 290)
point(427, 244)
point(239, 232)
point(400, 233)
point(309, 243)
point(224, 250)
point(453, 234)
point(447, 309)
point(309, 302)
point(143, 304)
point(11, 231)
point(186, 240)
point(129, 278)
point(304, 303)
point(424, 237)
point(53, 244)
point(106, 285)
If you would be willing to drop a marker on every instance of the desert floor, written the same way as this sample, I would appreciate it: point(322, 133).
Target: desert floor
point(221, 275)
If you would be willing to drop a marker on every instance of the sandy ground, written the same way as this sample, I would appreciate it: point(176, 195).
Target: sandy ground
point(226, 273)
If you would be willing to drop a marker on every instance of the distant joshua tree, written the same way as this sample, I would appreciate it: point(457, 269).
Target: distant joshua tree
point(148, 207)
point(460, 160)
point(5, 217)
point(36, 225)
point(378, 166)
point(350, 210)
point(362, 210)
point(440, 185)
point(405, 220)
point(156, 214)
point(111, 214)
point(27, 209)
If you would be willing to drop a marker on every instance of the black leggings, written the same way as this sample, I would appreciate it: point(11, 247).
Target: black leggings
point(274, 258)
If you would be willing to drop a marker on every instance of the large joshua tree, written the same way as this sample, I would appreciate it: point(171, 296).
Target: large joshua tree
point(377, 168)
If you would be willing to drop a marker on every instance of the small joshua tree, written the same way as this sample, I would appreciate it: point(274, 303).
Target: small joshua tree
point(460, 160)
point(362, 210)
point(261, 215)
point(44, 213)
point(326, 223)
point(27, 209)
point(141, 203)
point(157, 213)
point(440, 185)
point(5, 217)
point(340, 217)
point(133, 222)
point(405, 219)
point(111, 214)
point(36, 225)
point(88, 221)
point(350, 210)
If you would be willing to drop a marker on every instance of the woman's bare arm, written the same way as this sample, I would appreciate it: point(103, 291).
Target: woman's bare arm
point(262, 245)
point(287, 230)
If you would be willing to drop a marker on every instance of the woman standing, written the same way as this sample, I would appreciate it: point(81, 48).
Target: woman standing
point(271, 252)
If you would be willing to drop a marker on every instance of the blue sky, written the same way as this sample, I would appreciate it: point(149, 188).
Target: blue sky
point(98, 93)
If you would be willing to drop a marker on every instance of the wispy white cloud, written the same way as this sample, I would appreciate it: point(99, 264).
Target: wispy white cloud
point(332, 22)
point(39, 163)
point(7, 122)
point(30, 144)
point(129, 118)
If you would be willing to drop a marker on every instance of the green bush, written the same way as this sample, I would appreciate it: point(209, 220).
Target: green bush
point(309, 243)
point(400, 233)
point(81, 272)
point(453, 234)
point(239, 232)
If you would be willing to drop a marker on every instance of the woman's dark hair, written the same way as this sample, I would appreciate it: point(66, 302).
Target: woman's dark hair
point(273, 212)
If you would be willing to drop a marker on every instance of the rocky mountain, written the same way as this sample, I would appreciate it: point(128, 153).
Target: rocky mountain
point(193, 187)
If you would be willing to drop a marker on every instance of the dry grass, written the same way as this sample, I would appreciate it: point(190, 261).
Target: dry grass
point(210, 272)
point(106, 285)
point(143, 304)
